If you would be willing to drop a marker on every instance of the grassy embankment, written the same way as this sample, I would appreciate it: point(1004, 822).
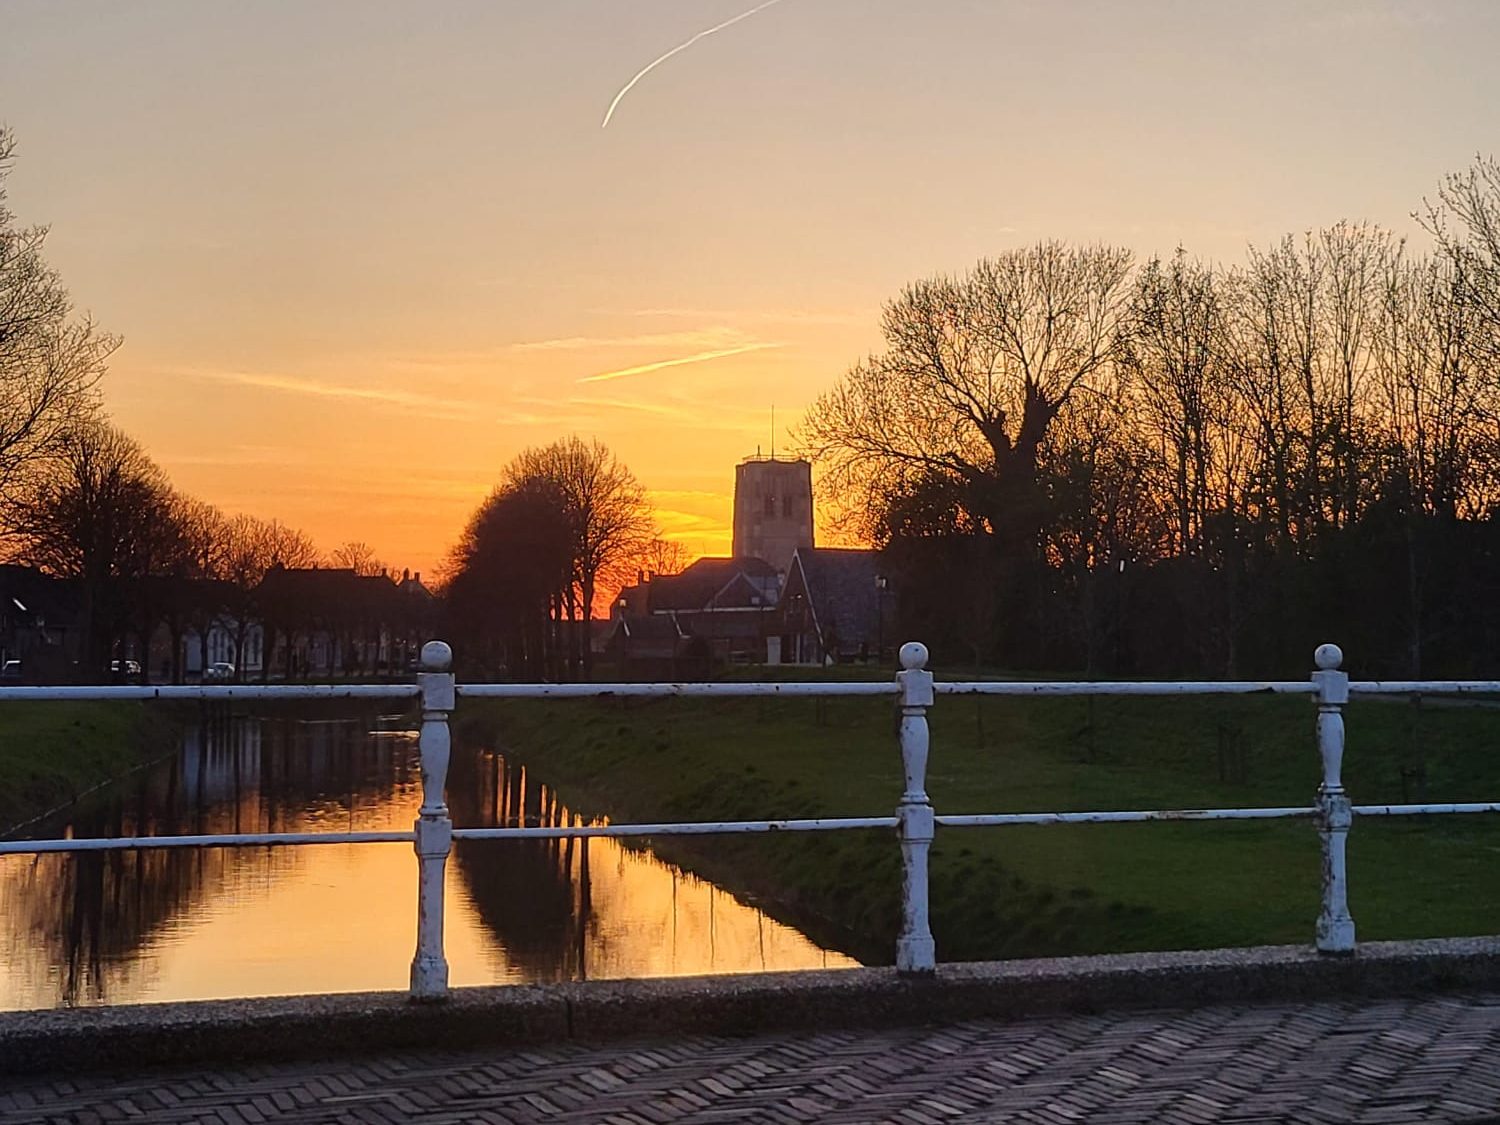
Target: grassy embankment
point(1033, 891)
point(51, 752)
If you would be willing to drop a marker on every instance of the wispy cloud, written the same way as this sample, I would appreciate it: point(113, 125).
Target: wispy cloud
point(588, 409)
point(1377, 15)
point(686, 495)
point(682, 361)
point(716, 336)
point(679, 523)
point(713, 338)
point(659, 409)
point(758, 316)
point(239, 456)
point(447, 409)
point(525, 420)
point(568, 411)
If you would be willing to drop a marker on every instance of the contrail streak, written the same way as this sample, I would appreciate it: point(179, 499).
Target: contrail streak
point(654, 63)
point(701, 357)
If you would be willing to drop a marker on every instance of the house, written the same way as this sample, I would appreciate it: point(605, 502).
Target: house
point(41, 624)
point(225, 639)
point(836, 606)
point(326, 621)
point(716, 611)
point(192, 623)
point(645, 647)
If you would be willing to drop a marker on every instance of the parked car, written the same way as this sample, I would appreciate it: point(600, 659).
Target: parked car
point(125, 669)
point(220, 671)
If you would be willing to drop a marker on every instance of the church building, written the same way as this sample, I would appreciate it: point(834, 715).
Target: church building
point(776, 599)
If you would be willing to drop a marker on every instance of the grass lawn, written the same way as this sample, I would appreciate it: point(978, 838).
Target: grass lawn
point(50, 752)
point(1034, 891)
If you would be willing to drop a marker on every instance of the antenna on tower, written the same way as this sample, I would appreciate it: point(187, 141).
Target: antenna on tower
point(773, 431)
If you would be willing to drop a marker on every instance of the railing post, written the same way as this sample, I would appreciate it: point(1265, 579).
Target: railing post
point(434, 829)
point(1335, 933)
point(915, 952)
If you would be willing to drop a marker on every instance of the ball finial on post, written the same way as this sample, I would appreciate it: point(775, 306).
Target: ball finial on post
point(913, 655)
point(1328, 657)
point(437, 656)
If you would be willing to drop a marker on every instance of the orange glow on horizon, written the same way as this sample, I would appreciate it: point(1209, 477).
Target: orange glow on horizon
point(344, 459)
point(356, 276)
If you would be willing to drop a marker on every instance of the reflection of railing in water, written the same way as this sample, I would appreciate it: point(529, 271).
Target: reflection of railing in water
point(549, 935)
point(95, 910)
point(574, 926)
point(433, 833)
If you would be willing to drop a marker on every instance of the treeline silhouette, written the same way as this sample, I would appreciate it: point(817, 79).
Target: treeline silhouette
point(539, 560)
point(81, 500)
point(1074, 461)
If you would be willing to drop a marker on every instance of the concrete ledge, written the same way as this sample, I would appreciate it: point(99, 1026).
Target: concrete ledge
point(313, 1026)
point(282, 1027)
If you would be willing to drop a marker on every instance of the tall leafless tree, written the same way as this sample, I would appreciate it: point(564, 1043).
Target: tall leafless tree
point(100, 511)
point(975, 371)
point(610, 522)
point(359, 557)
point(50, 360)
point(1465, 221)
point(1174, 354)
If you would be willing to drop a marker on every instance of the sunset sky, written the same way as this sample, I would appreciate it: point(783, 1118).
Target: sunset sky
point(362, 253)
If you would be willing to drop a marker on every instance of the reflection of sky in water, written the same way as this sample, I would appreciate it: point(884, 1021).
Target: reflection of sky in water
point(197, 924)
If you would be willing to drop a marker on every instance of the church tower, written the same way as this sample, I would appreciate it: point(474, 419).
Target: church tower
point(773, 513)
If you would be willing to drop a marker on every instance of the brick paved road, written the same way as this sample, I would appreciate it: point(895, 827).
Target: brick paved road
point(1374, 1061)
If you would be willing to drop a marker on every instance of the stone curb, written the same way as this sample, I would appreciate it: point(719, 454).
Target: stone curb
point(315, 1026)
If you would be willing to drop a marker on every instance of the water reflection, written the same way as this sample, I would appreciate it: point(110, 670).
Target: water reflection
point(120, 927)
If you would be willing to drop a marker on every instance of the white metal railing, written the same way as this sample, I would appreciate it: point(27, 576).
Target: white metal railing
point(915, 819)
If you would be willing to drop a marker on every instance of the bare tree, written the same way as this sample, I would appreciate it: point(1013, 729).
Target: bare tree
point(1465, 221)
point(1299, 352)
point(251, 547)
point(503, 580)
point(609, 520)
point(358, 557)
point(1432, 401)
point(209, 600)
point(100, 511)
point(206, 530)
point(92, 509)
point(49, 361)
point(278, 544)
point(1174, 354)
point(663, 556)
point(974, 373)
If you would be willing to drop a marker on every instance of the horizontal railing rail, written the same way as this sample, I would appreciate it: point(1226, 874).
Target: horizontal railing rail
point(915, 820)
point(226, 693)
point(1424, 687)
point(725, 690)
point(987, 820)
point(676, 828)
point(1124, 687)
point(215, 840)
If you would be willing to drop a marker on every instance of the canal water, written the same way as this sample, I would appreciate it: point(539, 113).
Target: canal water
point(186, 924)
